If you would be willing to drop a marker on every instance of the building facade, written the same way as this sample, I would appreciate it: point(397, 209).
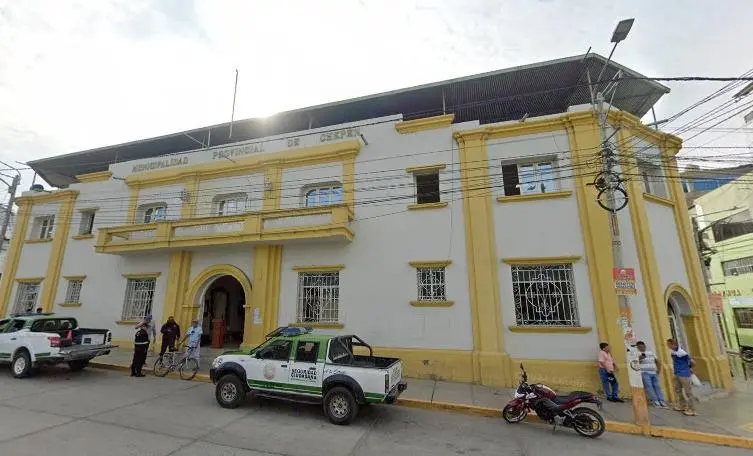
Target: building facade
point(725, 224)
point(462, 247)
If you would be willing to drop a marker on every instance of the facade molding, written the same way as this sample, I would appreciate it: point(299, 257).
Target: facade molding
point(426, 168)
point(99, 176)
point(144, 275)
point(550, 329)
point(320, 268)
point(434, 303)
point(430, 263)
point(58, 196)
point(534, 197)
point(423, 124)
point(29, 279)
point(429, 206)
point(176, 294)
point(658, 200)
point(535, 261)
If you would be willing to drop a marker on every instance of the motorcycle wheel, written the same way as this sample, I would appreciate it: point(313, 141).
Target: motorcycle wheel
point(588, 422)
point(513, 415)
point(747, 355)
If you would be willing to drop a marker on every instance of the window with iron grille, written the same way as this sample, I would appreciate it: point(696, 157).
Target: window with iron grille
point(427, 188)
point(431, 284)
point(737, 267)
point(73, 293)
point(45, 226)
point(544, 295)
point(744, 317)
point(318, 297)
point(87, 222)
point(26, 297)
point(231, 205)
point(324, 195)
point(528, 178)
point(138, 298)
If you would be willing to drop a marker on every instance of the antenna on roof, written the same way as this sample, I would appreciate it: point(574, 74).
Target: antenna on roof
point(232, 113)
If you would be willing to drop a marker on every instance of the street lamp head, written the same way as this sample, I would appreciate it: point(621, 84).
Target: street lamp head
point(622, 30)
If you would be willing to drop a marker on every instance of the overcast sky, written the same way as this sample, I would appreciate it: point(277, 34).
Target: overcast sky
point(77, 74)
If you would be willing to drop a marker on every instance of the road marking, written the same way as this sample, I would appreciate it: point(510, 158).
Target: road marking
point(747, 427)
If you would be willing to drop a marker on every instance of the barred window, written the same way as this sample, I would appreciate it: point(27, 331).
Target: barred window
point(26, 297)
point(87, 222)
point(155, 213)
point(138, 298)
point(431, 284)
point(738, 267)
point(232, 204)
point(73, 293)
point(544, 295)
point(744, 317)
point(318, 297)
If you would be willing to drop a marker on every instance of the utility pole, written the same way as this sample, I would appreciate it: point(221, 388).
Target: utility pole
point(12, 188)
point(612, 186)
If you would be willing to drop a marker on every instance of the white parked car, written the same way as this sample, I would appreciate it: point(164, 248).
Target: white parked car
point(298, 366)
point(28, 341)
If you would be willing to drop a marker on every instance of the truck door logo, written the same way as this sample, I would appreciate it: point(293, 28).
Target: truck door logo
point(303, 375)
point(269, 371)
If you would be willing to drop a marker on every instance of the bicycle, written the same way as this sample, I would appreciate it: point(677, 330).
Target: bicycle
point(187, 366)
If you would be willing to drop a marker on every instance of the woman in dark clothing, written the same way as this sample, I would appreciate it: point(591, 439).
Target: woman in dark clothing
point(170, 334)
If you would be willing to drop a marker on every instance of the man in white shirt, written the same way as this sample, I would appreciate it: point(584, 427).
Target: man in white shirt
point(650, 369)
point(194, 341)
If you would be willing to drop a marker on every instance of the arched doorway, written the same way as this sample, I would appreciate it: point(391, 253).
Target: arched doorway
point(223, 302)
point(677, 308)
point(219, 295)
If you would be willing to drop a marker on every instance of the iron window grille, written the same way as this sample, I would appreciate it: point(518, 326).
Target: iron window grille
point(318, 297)
point(545, 295)
point(26, 297)
point(138, 298)
point(431, 284)
point(154, 214)
point(231, 206)
point(744, 317)
point(87, 223)
point(73, 293)
point(738, 267)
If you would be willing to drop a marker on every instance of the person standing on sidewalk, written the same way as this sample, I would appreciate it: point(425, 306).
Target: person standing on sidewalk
point(683, 364)
point(194, 341)
point(151, 331)
point(650, 370)
point(140, 347)
point(170, 334)
point(607, 369)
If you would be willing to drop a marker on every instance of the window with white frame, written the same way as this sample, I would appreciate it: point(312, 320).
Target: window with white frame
point(323, 195)
point(737, 267)
point(44, 227)
point(431, 284)
point(27, 295)
point(318, 297)
point(231, 204)
point(87, 222)
point(139, 297)
point(544, 295)
point(528, 178)
point(155, 213)
point(652, 178)
point(73, 292)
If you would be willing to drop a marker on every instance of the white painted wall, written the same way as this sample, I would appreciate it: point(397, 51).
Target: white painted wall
point(296, 181)
point(667, 246)
point(252, 186)
point(168, 194)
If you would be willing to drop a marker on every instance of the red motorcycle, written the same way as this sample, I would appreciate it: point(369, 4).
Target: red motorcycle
point(558, 410)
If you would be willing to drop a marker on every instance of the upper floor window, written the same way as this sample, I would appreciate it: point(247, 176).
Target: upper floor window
point(155, 213)
point(652, 177)
point(427, 187)
point(738, 267)
point(733, 226)
point(231, 204)
point(324, 195)
point(44, 227)
point(528, 178)
point(87, 222)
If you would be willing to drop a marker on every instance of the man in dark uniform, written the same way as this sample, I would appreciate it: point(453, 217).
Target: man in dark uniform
point(140, 347)
point(170, 334)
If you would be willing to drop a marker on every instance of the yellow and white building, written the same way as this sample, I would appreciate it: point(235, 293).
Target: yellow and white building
point(449, 224)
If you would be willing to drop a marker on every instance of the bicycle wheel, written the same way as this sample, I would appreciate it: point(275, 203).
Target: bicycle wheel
point(160, 368)
point(188, 369)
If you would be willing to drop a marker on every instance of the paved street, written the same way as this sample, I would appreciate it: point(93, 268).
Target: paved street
point(101, 412)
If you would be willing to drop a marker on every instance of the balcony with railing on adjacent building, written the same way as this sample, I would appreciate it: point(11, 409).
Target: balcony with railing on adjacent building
point(311, 224)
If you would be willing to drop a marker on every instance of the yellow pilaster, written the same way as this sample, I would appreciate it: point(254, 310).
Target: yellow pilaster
point(57, 251)
point(585, 146)
point(272, 188)
point(14, 255)
point(265, 294)
point(491, 366)
point(710, 360)
point(177, 284)
point(133, 202)
point(188, 210)
point(349, 182)
point(652, 288)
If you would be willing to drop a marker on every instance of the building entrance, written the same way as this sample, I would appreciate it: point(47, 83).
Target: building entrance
point(223, 312)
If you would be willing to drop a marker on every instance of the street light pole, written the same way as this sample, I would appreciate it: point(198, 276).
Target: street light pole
point(12, 188)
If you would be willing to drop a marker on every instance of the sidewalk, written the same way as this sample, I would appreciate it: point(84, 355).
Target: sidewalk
point(727, 414)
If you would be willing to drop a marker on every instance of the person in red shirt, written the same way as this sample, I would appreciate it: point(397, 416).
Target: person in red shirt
point(607, 370)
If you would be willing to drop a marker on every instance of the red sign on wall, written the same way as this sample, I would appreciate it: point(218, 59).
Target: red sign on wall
point(624, 281)
point(716, 303)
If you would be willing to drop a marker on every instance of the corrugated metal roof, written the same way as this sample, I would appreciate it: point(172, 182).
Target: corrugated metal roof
point(538, 89)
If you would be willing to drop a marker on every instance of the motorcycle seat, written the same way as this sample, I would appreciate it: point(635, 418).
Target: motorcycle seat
point(563, 398)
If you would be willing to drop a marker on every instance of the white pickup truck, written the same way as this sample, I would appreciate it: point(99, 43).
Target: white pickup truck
point(28, 341)
point(298, 366)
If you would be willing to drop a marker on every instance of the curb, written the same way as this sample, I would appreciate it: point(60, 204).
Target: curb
point(619, 427)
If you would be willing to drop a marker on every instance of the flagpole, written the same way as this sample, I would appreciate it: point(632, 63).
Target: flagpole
point(232, 114)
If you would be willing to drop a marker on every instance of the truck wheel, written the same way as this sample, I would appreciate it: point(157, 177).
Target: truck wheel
point(77, 365)
point(340, 406)
point(21, 366)
point(230, 392)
